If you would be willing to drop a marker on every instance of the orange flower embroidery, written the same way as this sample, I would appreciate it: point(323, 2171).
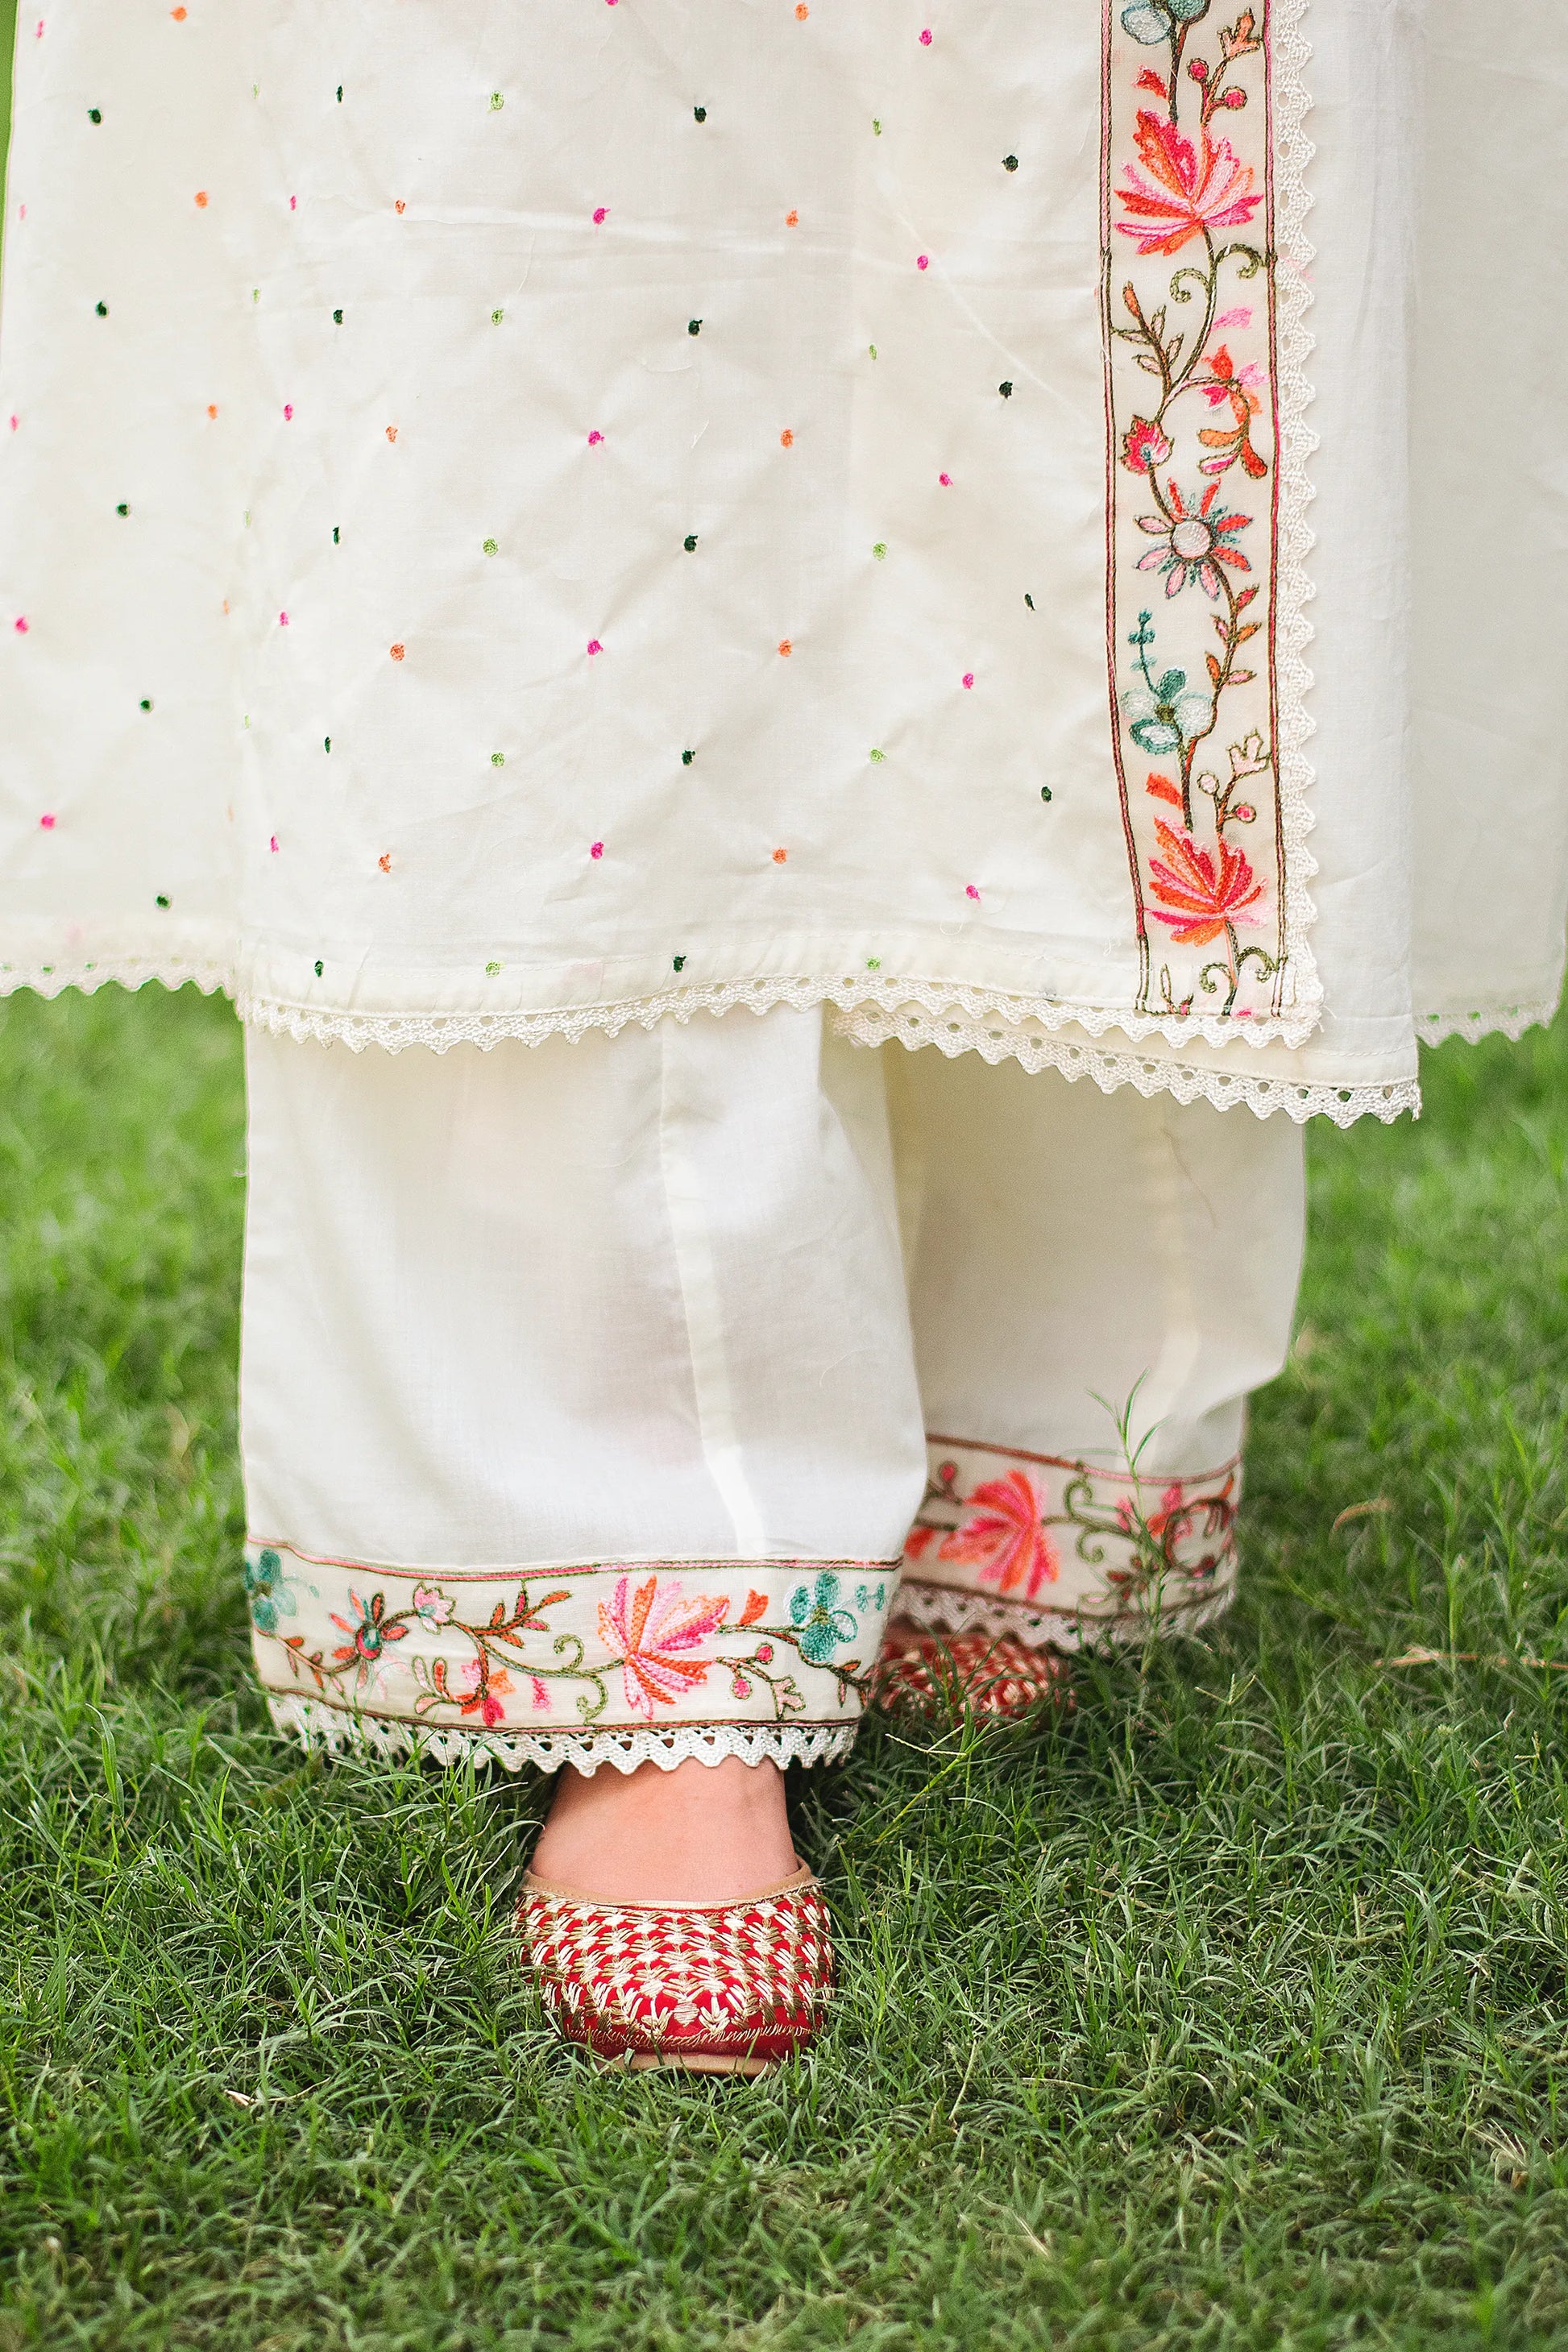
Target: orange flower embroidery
point(1004, 1537)
point(653, 1634)
point(1205, 889)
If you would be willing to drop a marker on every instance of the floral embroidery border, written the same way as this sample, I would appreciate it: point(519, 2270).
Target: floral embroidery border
point(1195, 462)
point(592, 1646)
point(1079, 1555)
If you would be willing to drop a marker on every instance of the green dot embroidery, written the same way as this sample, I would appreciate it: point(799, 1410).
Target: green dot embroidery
point(873, 963)
point(701, 113)
point(496, 318)
point(256, 293)
point(146, 704)
point(491, 968)
point(326, 742)
point(687, 758)
point(497, 101)
point(122, 510)
point(690, 542)
point(162, 900)
point(318, 972)
point(1009, 163)
point(102, 310)
point(694, 326)
point(336, 527)
point(1045, 792)
point(1028, 599)
point(498, 759)
point(881, 550)
point(493, 547)
point(1005, 390)
point(340, 93)
point(680, 963)
point(872, 349)
point(337, 318)
point(877, 124)
point(878, 758)
point(95, 114)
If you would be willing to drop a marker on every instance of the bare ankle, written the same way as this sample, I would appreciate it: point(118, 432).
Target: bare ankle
point(696, 1834)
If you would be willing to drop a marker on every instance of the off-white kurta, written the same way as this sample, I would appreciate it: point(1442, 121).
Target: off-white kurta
point(513, 521)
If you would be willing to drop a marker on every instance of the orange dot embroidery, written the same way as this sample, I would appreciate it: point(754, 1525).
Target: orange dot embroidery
point(785, 647)
point(792, 220)
point(212, 408)
point(802, 11)
point(202, 198)
point(399, 207)
point(392, 432)
point(786, 439)
point(385, 861)
point(178, 15)
point(780, 856)
point(398, 653)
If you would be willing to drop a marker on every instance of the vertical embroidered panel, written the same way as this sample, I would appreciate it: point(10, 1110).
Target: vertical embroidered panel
point(1192, 507)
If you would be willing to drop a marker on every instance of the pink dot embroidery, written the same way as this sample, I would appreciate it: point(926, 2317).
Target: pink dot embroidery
point(282, 620)
point(596, 849)
point(946, 481)
point(21, 624)
point(594, 439)
point(922, 261)
point(970, 891)
point(48, 822)
point(925, 38)
point(272, 845)
point(601, 215)
point(288, 411)
point(15, 422)
point(594, 647)
point(969, 678)
point(293, 203)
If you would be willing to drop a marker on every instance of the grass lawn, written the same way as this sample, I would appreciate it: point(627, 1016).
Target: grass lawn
point(1229, 2012)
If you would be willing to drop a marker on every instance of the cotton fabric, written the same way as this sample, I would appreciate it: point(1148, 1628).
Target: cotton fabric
point(585, 1388)
point(446, 532)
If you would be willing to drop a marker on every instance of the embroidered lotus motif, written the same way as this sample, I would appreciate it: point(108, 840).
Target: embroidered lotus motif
point(1005, 1538)
point(654, 1632)
point(1201, 889)
point(1186, 187)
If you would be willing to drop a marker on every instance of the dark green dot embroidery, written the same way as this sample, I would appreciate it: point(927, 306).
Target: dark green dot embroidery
point(326, 742)
point(122, 510)
point(95, 114)
point(687, 758)
point(1005, 390)
point(1028, 599)
point(701, 113)
point(318, 972)
point(335, 529)
point(102, 310)
point(690, 542)
point(146, 704)
point(1045, 792)
point(1009, 163)
point(162, 900)
point(337, 318)
point(681, 963)
point(340, 93)
point(694, 326)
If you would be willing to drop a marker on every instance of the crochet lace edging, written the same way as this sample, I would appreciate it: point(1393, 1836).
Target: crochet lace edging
point(941, 1609)
point(623, 1745)
point(55, 979)
point(1508, 1021)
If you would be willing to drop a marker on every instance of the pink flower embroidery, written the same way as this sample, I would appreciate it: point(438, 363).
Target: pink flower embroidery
point(1143, 444)
point(1204, 892)
point(1005, 1538)
point(486, 1691)
point(1194, 542)
point(652, 1631)
point(1185, 190)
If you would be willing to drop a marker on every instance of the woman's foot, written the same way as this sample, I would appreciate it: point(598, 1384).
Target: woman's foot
point(698, 1834)
point(667, 1923)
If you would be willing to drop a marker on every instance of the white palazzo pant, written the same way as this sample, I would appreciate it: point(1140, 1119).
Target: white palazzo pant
point(604, 1400)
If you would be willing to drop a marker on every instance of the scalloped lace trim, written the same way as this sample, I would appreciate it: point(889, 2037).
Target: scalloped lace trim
point(916, 1025)
point(1508, 1021)
point(117, 971)
point(943, 1609)
point(623, 1745)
